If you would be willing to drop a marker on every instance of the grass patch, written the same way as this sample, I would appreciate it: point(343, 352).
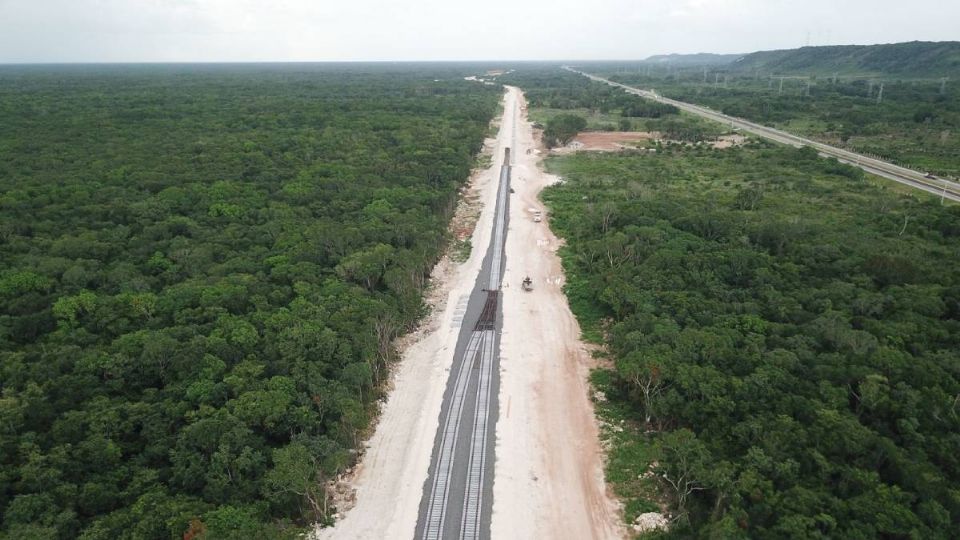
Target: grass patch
point(461, 250)
point(588, 313)
point(483, 161)
point(629, 451)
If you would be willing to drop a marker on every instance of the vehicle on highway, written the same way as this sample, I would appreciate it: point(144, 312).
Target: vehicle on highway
point(527, 284)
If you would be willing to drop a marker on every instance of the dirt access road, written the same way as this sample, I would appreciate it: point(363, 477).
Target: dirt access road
point(548, 478)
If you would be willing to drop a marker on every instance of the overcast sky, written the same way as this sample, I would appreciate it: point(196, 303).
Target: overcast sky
point(322, 30)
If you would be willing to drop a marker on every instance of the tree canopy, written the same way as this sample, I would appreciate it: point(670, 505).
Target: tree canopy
point(201, 273)
point(785, 340)
point(562, 128)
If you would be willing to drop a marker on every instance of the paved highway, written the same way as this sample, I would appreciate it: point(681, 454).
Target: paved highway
point(457, 496)
point(940, 187)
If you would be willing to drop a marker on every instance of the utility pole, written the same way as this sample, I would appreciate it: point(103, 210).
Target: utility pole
point(808, 86)
point(870, 89)
point(716, 80)
point(725, 79)
point(780, 92)
point(943, 85)
point(880, 94)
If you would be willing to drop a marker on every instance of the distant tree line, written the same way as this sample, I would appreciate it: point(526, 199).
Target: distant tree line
point(553, 88)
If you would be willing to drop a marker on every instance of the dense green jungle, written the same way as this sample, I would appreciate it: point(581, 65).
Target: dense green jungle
point(781, 332)
point(784, 340)
point(202, 268)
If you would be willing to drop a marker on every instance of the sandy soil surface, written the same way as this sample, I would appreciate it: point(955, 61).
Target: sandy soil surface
point(388, 481)
point(548, 478)
point(729, 141)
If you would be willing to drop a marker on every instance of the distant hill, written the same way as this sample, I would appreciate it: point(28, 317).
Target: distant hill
point(698, 59)
point(912, 59)
point(908, 60)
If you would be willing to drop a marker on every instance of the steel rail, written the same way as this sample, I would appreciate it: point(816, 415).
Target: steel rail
point(440, 490)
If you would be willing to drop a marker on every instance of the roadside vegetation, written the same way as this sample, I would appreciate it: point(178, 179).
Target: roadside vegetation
point(555, 95)
point(562, 128)
point(202, 270)
point(912, 122)
point(784, 340)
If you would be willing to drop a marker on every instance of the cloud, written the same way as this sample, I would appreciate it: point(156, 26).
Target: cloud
point(259, 30)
